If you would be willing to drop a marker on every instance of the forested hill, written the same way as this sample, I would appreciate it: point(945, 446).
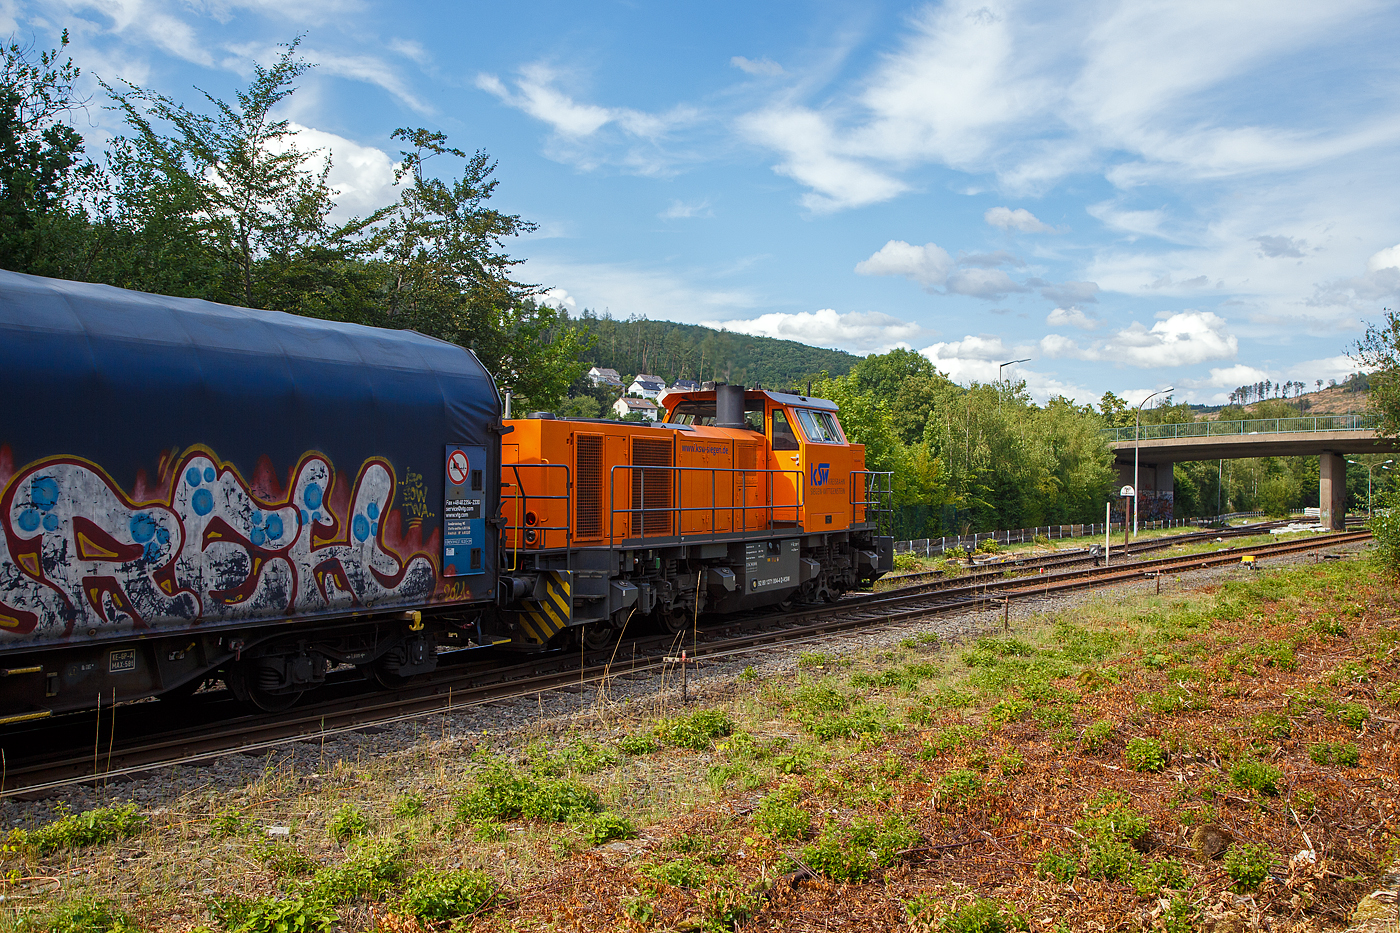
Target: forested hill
point(688, 351)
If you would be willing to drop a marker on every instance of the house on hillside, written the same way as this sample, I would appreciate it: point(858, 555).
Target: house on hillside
point(635, 406)
point(647, 386)
point(605, 377)
point(685, 385)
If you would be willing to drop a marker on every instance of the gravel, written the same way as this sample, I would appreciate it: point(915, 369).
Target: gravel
point(499, 724)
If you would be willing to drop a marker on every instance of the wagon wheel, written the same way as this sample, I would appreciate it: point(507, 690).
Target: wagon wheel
point(596, 636)
point(674, 620)
point(246, 690)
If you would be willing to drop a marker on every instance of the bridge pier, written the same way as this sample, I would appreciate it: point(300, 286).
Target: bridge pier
point(1155, 484)
point(1332, 490)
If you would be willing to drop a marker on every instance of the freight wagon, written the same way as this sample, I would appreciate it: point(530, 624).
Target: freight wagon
point(189, 488)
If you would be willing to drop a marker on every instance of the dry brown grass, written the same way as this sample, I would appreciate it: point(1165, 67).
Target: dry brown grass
point(983, 754)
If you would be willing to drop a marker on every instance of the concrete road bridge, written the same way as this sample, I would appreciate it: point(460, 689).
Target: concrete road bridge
point(1331, 438)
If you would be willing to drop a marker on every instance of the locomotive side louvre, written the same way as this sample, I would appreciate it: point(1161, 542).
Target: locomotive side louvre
point(669, 520)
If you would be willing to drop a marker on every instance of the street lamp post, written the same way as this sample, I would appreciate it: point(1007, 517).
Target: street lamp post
point(1137, 437)
point(1008, 363)
point(1369, 467)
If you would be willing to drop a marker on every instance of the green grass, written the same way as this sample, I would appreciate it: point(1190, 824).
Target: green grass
point(75, 831)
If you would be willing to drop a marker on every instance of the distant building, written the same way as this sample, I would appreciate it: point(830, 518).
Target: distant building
point(647, 386)
point(605, 377)
point(685, 385)
point(635, 406)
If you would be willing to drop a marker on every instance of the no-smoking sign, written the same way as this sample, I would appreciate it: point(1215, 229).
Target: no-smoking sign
point(458, 467)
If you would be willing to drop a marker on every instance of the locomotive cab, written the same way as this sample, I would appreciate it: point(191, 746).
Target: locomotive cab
point(738, 499)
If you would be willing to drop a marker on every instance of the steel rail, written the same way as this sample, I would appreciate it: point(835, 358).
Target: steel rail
point(460, 690)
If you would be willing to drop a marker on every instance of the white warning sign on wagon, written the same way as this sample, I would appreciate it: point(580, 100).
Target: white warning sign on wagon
point(458, 467)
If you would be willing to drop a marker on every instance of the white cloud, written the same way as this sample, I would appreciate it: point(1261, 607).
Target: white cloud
point(362, 176)
point(990, 284)
point(1280, 247)
point(812, 157)
point(631, 289)
point(682, 209)
point(540, 99)
point(1180, 339)
point(1072, 317)
point(757, 66)
point(1069, 292)
point(1020, 220)
point(928, 265)
point(973, 358)
point(857, 331)
point(558, 298)
point(1388, 258)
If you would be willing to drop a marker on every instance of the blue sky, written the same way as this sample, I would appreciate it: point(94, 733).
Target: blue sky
point(1132, 195)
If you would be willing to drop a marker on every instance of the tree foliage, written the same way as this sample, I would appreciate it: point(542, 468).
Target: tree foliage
point(220, 202)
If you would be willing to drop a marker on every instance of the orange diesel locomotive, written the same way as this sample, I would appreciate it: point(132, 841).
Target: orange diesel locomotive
point(738, 499)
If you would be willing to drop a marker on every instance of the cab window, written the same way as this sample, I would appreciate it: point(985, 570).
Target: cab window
point(783, 438)
point(703, 413)
point(820, 426)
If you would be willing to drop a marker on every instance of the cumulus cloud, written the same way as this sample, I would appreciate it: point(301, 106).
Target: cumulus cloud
point(362, 176)
point(990, 284)
point(1072, 317)
point(1277, 247)
point(757, 66)
point(1020, 220)
point(975, 357)
point(928, 265)
point(856, 331)
point(1180, 339)
point(558, 298)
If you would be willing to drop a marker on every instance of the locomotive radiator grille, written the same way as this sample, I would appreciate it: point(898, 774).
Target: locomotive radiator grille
point(589, 490)
point(651, 489)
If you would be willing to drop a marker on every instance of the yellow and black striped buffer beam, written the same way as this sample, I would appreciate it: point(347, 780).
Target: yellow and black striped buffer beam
point(542, 619)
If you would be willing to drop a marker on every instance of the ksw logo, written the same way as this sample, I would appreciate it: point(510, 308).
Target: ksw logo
point(820, 473)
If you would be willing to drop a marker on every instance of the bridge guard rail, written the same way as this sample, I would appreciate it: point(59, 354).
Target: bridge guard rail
point(1316, 424)
point(663, 520)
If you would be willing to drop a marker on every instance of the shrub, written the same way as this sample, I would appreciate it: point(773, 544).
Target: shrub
point(370, 872)
point(1273, 726)
point(983, 916)
point(86, 915)
point(1247, 865)
point(1057, 867)
point(697, 730)
point(1253, 774)
point(408, 806)
point(779, 816)
point(88, 828)
point(960, 784)
point(684, 872)
point(1108, 857)
point(854, 853)
point(226, 823)
point(1009, 710)
point(347, 823)
point(638, 744)
point(506, 795)
point(437, 896)
point(559, 801)
point(276, 915)
point(1097, 735)
point(1343, 753)
point(1144, 755)
point(605, 827)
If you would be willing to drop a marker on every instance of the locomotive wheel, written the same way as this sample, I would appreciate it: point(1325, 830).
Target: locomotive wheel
point(674, 620)
point(596, 636)
point(246, 691)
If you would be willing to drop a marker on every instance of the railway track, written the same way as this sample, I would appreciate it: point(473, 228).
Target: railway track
point(108, 756)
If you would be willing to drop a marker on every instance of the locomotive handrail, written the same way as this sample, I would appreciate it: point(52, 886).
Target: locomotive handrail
point(676, 511)
point(878, 499)
point(521, 498)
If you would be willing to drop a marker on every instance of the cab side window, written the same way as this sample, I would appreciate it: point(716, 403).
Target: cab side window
point(783, 438)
